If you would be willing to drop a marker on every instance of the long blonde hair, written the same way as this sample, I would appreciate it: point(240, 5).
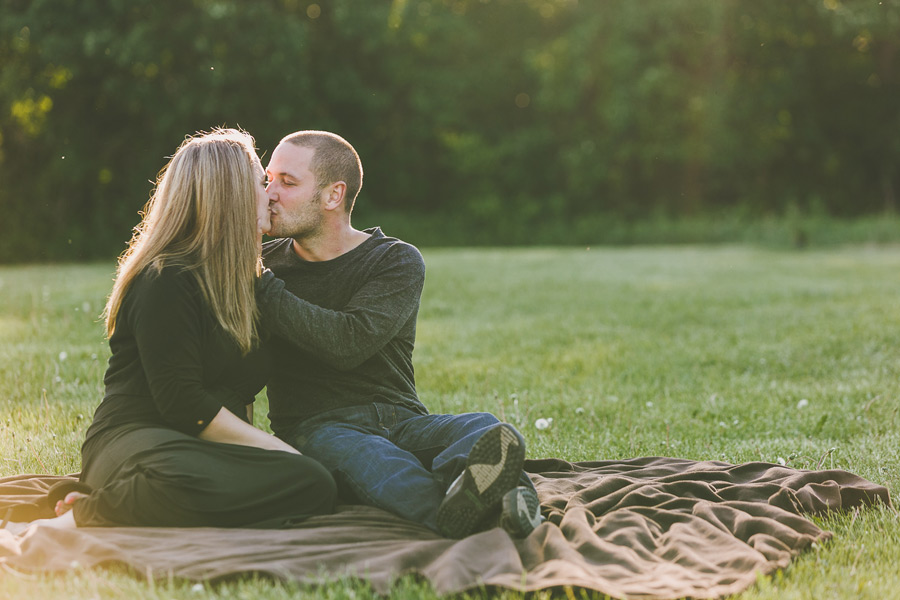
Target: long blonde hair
point(202, 217)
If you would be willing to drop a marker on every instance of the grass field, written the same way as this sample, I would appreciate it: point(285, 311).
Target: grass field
point(727, 353)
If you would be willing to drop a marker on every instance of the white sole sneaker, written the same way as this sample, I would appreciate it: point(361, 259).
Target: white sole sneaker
point(493, 468)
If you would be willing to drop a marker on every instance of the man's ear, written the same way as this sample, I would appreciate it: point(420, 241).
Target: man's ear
point(334, 195)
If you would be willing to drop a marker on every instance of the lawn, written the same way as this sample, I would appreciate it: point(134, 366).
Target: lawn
point(727, 353)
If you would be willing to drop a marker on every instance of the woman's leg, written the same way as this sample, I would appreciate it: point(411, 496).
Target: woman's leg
point(169, 479)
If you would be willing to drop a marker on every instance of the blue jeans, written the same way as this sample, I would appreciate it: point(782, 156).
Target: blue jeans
point(391, 457)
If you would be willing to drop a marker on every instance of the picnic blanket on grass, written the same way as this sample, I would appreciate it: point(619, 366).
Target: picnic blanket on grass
point(640, 528)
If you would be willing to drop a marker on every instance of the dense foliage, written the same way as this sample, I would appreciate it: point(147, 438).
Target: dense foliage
point(502, 115)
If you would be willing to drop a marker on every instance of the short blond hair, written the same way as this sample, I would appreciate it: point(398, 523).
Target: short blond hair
point(334, 159)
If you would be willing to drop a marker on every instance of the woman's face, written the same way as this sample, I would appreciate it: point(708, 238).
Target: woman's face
point(263, 222)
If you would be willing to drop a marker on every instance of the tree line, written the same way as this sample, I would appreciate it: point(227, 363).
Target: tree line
point(499, 115)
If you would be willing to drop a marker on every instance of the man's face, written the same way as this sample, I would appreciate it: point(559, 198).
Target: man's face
point(294, 199)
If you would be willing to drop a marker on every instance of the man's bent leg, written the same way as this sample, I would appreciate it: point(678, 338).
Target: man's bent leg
point(376, 470)
point(446, 442)
point(442, 442)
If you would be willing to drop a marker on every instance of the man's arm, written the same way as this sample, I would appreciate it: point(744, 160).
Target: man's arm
point(346, 338)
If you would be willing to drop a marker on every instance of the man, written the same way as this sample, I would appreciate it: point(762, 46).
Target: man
point(342, 305)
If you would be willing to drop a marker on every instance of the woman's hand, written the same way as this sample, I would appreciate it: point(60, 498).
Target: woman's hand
point(228, 428)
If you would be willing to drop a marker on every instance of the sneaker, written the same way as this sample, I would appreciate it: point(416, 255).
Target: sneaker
point(521, 512)
point(492, 469)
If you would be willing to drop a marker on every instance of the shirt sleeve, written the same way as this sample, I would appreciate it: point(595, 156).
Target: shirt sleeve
point(167, 317)
point(346, 338)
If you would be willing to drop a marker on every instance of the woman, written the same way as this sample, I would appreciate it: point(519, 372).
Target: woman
point(167, 447)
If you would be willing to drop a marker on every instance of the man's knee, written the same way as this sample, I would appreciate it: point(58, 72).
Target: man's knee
point(482, 420)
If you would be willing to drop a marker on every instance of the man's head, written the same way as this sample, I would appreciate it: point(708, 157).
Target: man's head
point(311, 173)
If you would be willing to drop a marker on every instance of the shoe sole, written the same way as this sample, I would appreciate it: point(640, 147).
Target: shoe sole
point(492, 469)
point(521, 512)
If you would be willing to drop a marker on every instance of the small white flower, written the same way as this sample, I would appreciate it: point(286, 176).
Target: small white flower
point(722, 424)
point(543, 423)
point(802, 404)
point(63, 355)
point(579, 411)
point(781, 461)
point(649, 404)
point(197, 587)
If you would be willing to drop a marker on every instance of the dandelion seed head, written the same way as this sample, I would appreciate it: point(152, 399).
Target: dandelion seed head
point(543, 423)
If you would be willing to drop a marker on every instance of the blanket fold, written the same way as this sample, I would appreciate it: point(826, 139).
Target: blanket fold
point(650, 527)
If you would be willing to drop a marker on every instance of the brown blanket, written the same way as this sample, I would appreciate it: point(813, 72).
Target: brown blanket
point(641, 528)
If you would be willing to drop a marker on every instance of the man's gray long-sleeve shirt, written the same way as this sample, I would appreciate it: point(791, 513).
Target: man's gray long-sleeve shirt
point(343, 330)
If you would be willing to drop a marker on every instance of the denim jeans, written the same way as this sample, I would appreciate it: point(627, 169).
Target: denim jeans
point(391, 457)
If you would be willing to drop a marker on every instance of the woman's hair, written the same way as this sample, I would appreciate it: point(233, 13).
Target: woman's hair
point(202, 217)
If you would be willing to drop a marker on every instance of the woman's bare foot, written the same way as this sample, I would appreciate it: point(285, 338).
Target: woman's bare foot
point(65, 505)
point(64, 521)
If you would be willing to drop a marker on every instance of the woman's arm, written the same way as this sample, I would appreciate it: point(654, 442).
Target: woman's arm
point(228, 428)
point(166, 314)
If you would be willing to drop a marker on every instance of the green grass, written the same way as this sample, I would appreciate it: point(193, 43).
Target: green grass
point(794, 228)
point(728, 353)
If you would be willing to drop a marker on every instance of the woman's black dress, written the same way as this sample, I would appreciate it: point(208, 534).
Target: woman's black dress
point(172, 369)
